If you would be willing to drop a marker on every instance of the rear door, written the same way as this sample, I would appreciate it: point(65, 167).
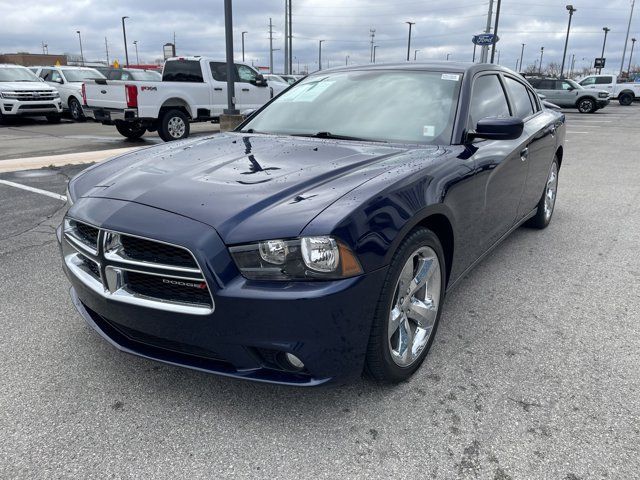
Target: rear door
point(218, 87)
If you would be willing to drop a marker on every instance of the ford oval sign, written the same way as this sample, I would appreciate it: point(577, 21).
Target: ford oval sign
point(485, 39)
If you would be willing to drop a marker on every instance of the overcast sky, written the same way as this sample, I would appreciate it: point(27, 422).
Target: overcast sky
point(442, 27)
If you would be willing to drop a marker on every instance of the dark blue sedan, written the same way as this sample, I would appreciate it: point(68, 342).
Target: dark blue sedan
point(319, 238)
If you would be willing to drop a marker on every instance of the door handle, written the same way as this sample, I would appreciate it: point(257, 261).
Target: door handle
point(245, 89)
point(524, 154)
point(218, 89)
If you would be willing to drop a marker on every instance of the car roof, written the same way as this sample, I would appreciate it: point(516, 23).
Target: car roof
point(438, 66)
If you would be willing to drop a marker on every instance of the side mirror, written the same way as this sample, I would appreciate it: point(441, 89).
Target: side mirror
point(260, 81)
point(570, 89)
point(59, 80)
point(498, 128)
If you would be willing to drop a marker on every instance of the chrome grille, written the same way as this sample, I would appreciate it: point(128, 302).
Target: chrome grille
point(32, 95)
point(136, 270)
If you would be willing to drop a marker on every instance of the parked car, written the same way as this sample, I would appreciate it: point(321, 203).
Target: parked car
point(309, 244)
point(68, 80)
point(112, 73)
point(568, 94)
point(24, 94)
point(291, 79)
point(625, 93)
point(193, 89)
point(279, 79)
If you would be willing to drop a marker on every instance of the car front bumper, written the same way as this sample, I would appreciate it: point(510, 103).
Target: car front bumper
point(602, 102)
point(325, 324)
point(10, 107)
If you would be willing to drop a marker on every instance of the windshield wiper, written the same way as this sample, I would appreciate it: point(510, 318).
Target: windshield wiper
point(335, 136)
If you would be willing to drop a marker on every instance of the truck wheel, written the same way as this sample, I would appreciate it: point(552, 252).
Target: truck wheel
point(53, 118)
point(586, 105)
point(132, 131)
point(626, 99)
point(75, 109)
point(174, 125)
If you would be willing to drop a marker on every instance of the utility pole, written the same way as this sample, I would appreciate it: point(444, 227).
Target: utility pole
point(228, 32)
point(485, 49)
point(243, 34)
point(409, 41)
point(174, 42)
point(521, 55)
point(604, 43)
point(135, 44)
point(498, 62)
point(473, 60)
point(495, 31)
point(415, 54)
point(571, 10)
point(290, 40)
point(124, 34)
point(573, 64)
point(372, 34)
point(81, 54)
point(106, 48)
point(270, 46)
point(320, 54)
point(626, 40)
point(541, 55)
point(448, 55)
point(633, 43)
point(375, 47)
point(286, 37)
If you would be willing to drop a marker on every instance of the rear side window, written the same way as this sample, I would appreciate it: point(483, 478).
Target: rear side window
point(487, 100)
point(547, 85)
point(588, 81)
point(182, 71)
point(604, 80)
point(218, 71)
point(115, 74)
point(520, 97)
point(535, 82)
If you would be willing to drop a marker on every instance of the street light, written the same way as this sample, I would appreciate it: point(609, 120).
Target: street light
point(606, 30)
point(626, 39)
point(243, 34)
point(374, 53)
point(320, 54)
point(124, 34)
point(541, 55)
point(81, 54)
point(409, 42)
point(415, 54)
point(633, 43)
point(521, 55)
point(571, 10)
point(448, 55)
point(135, 42)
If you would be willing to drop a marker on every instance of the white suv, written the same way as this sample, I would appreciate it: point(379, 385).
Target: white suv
point(68, 81)
point(24, 94)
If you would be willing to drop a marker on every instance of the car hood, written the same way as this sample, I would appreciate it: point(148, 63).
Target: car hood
point(247, 187)
point(25, 86)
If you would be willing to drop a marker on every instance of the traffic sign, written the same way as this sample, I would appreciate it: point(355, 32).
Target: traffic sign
point(599, 63)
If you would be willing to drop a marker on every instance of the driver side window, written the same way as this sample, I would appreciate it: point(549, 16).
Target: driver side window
point(246, 74)
point(588, 81)
point(487, 100)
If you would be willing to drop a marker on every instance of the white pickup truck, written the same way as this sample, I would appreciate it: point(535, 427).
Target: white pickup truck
point(625, 93)
point(192, 89)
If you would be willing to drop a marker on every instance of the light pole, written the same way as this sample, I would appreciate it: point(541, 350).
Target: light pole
point(415, 54)
point(346, 60)
point(541, 55)
point(81, 54)
point(409, 42)
point(448, 55)
point(228, 33)
point(473, 60)
point(521, 55)
point(495, 30)
point(626, 40)
point(604, 43)
point(633, 43)
point(243, 34)
point(320, 54)
point(124, 34)
point(374, 53)
point(135, 43)
point(106, 48)
point(571, 10)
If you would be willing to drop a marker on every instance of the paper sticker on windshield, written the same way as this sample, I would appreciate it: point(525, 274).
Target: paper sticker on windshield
point(429, 131)
point(308, 92)
point(450, 76)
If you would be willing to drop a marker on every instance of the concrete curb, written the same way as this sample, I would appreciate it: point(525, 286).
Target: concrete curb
point(59, 160)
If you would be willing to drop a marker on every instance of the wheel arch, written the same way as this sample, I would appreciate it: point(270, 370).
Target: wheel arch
point(177, 104)
point(629, 91)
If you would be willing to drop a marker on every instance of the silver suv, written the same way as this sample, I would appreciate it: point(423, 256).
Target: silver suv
point(569, 94)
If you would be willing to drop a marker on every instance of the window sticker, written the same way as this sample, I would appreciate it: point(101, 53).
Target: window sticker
point(307, 93)
point(450, 76)
point(429, 131)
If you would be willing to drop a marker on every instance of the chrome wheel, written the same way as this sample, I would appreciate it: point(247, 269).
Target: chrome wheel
point(414, 307)
point(176, 127)
point(585, 106)
point(551, 191)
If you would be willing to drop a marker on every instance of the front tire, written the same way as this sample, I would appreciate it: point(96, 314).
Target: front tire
point(625, 99)
point(586, 105)
point(408, 309)
point(174, 125)
point(75, 110)
point(547, 202)
point(130, 130)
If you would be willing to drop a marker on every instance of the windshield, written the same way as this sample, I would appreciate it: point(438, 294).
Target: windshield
point(145, 75)
point(575, 85)
point(81, 74)
point(391, 106)
point(17, 74)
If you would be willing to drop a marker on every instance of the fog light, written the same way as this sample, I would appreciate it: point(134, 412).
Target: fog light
point(294, 361)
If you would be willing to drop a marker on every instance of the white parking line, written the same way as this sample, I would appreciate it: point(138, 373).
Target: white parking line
point(571, 131)
point(34, 190)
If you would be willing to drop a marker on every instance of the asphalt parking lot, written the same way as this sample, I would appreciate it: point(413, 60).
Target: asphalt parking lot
point(534, 373)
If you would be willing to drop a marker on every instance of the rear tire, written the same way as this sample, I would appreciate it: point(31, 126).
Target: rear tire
point(407, 314)
point(626, 99)
point(174, 125)
point(547, 203)
point(75, 110)
point(130, 130)
point(586, 105)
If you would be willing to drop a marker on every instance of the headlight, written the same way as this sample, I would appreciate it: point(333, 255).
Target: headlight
point(55, 94)
point(603, 94)
point(306, 258)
